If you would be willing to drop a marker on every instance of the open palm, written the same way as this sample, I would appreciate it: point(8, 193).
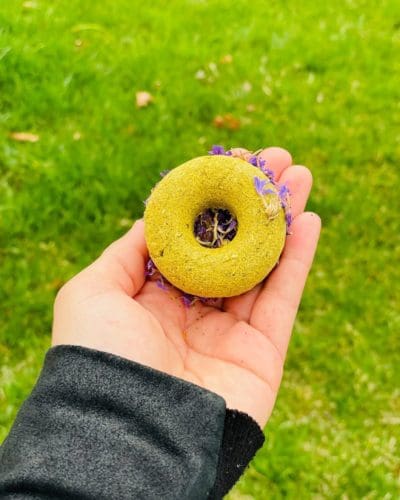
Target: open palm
point(235, 348)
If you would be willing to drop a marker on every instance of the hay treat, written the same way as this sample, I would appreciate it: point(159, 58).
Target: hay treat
point(215, 226)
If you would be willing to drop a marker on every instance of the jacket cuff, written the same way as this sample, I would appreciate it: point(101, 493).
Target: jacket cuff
point(241, 439)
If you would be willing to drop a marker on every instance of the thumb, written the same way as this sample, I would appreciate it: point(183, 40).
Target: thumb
point(122, 264)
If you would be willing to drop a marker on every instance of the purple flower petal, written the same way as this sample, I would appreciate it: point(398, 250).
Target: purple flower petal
point(283, 194)
point(150, 268)
point(217, 150)
point(259, 184)
point(208, 301)
point(187, 299)
point(261, 162)
point(269, 173)
point(163, 173)
point(161, 284)
point(283, 191)
point(253, 161)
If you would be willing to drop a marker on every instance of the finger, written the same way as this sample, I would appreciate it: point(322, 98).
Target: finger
point(299, 181)
point(277, 159)
point(275, 309)
point(123, 263)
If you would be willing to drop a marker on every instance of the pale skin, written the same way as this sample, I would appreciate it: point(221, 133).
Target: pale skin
point(235, 348)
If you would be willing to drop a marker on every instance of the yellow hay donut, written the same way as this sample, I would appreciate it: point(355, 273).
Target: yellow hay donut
point(219, 182)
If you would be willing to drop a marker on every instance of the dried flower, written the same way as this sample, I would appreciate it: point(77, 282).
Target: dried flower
point(259, 184)
point(269, 173)
point(261, 162)
point(284, 197)
point(151, 272)
point(217, 150)
point(283, 192)
point(208, 301)
point(253, 161)
point(187, 299)
point(214, 227)
point(257, 161)
point(161, 283)
point(150, 269)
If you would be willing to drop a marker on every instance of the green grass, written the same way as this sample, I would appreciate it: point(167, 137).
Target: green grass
point(325, 85)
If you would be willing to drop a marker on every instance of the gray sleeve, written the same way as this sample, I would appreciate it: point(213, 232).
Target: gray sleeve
point(97, 426)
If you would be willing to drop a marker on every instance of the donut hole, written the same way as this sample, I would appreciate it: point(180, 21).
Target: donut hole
point(215, 227)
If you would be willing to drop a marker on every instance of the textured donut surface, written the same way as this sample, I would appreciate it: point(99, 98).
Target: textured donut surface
point(214, 182)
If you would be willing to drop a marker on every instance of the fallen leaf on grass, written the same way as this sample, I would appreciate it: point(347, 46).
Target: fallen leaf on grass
point(143, 99)
point(24, 137)
point(30, 5)
point(87, 27)
point(200, 74)
point(226, 121)
point(208, 74)
point(226, 59)
point(247, 86)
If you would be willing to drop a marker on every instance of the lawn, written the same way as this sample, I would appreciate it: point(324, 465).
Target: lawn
point(320, 79)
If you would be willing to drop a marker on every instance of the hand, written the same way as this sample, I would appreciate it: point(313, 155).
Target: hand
point(235, 348)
